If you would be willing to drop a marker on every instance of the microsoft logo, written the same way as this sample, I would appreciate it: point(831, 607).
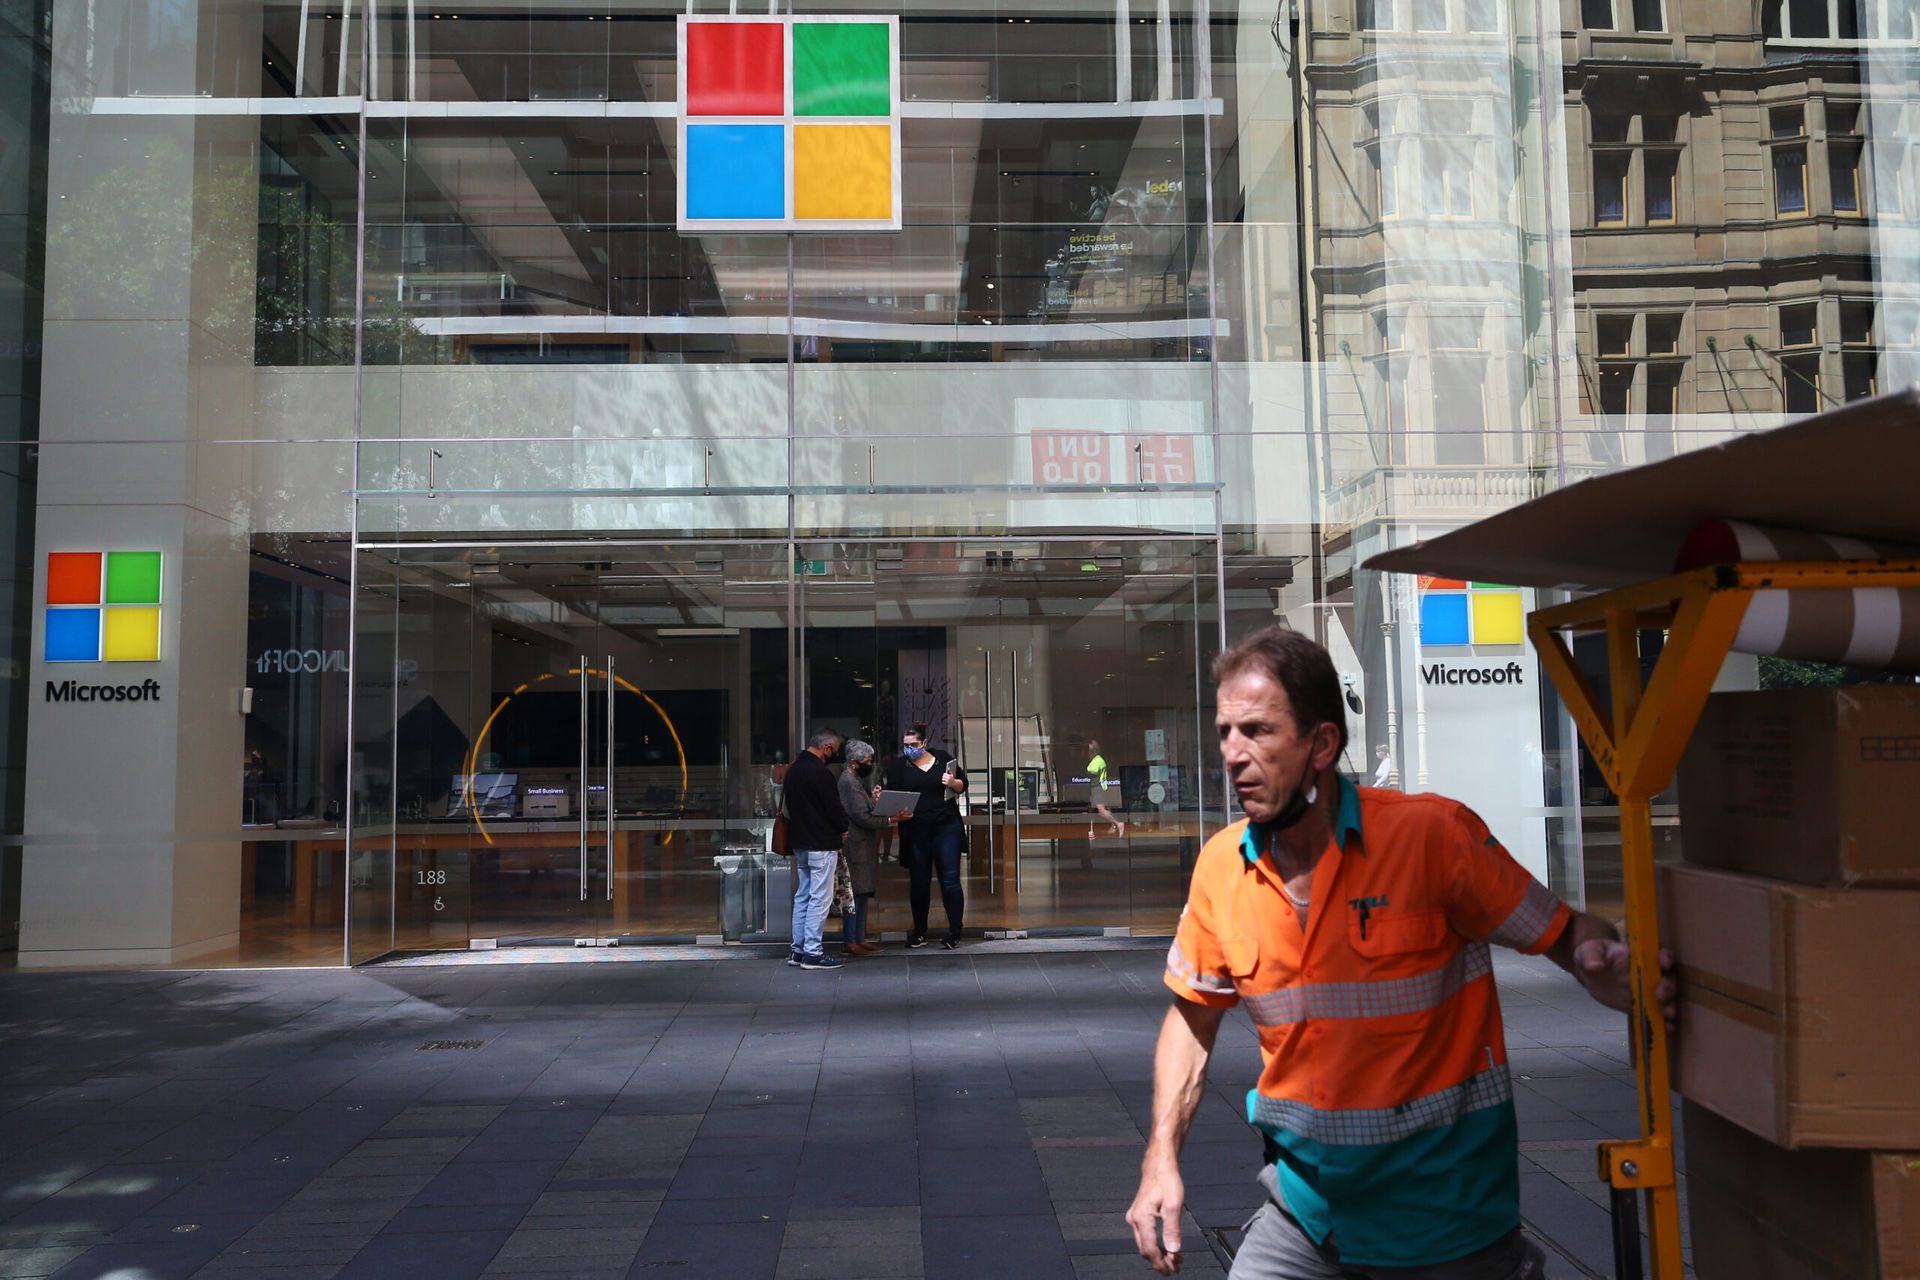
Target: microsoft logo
point(103, 606)
point(1462, 613)
point(789, 124)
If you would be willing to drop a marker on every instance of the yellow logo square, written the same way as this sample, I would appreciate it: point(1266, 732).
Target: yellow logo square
point(131, 635)
point(1498, 618)
point(842, 171)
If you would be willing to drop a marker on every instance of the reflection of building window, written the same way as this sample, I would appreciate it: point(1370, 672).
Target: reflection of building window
point(1596, 15)
point(1449, 181)
point(1610, 188)
point(1803, 384)
point(1788, 129)
point(1889, 161)
point(1800, 326)
point(1375, 15)
point(1663, 402)
point(1843, 169)
point(1839, 20)
point(1649, 15)
point(1800, 357)
point(1859, 361)
point(1429, 15)
point(1843, 158)
point(1662, 170)
point(1483, 15)
point(1454, 332)
point(1640, 366)
point(1386, 179)
point(1390, 364)
point(1459, 410)
point(1614, 336)
point(1663, 335)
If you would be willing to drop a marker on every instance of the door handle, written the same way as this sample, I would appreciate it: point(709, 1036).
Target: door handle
point(584, 819)
point(610, 811)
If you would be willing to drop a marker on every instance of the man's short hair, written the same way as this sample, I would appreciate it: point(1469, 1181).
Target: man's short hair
point(824, 738)
point(1298, 665)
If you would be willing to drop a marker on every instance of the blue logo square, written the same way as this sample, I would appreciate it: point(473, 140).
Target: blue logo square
point(736, 171)
point(73, 635)
point(1443, 618)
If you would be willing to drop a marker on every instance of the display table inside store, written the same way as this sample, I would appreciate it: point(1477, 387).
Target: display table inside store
point(656, 864)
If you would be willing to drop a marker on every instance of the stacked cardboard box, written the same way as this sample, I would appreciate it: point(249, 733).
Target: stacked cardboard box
point(1796, 924)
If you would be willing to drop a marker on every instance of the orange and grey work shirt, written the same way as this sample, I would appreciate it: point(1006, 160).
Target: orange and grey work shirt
point(1384, 1093)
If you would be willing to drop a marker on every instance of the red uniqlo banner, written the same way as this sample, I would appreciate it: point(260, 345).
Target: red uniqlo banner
point(1072, 457)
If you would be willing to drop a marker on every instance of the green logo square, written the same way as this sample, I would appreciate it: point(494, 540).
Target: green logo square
point(841, 69)
point(133, 577)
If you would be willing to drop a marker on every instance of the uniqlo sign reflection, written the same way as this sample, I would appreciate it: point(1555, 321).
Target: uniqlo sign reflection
point(1071, 457)
point(1166, 460)
point(1089, 457)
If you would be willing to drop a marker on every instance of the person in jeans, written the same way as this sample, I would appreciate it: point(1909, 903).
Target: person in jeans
point(816, 825)
point(862, 851)
point(932, 839)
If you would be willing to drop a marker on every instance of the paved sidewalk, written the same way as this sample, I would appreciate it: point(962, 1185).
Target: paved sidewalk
point(973, 1115)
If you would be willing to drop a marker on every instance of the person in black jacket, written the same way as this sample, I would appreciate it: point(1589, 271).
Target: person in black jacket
point(816, 823)
point(933, 837)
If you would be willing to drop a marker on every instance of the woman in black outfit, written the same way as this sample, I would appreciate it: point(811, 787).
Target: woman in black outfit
point(933, 838)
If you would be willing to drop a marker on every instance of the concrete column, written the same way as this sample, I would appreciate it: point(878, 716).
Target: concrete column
point(150, 276)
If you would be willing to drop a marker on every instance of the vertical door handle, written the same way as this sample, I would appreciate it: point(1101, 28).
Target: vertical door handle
point(583, 777)
point(610, 812)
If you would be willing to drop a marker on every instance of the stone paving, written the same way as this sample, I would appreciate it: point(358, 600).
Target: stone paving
point(978, 1114)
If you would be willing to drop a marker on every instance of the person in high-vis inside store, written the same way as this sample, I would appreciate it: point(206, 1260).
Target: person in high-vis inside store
point(1353, 925)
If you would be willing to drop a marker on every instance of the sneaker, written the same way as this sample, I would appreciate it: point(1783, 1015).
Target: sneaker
point(820, 961)
point(916, 940)
point(793, 959)
point(949, 944)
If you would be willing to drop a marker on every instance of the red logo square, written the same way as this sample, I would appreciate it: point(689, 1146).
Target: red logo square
point(73, 577)
point(736, 69)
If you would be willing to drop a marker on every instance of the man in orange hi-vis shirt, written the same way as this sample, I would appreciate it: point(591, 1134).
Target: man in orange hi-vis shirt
point(1353, 925)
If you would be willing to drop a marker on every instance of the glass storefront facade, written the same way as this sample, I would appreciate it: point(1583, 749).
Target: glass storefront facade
point(510, 537)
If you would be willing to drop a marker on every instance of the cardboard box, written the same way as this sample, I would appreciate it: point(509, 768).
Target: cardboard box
point(1760, 1212)
point(1817, 786)
point(1800, 1013)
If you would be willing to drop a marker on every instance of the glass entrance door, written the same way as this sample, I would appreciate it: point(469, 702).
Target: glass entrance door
point(1065, 677)
point(557, 745)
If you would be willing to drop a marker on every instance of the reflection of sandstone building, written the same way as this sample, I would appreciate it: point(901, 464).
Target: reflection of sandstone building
point(1432, 278)
point(1742, 206)
point(1716, 229)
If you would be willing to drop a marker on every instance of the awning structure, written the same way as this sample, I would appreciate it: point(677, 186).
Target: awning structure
point(1853, 471)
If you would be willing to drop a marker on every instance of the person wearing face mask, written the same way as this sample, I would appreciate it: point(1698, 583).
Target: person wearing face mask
point(862, 849)
point(1354, 924)
point(932, 838)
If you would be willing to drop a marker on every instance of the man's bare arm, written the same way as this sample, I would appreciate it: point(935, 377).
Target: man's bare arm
point(1591, 950)
point(1179, 1081)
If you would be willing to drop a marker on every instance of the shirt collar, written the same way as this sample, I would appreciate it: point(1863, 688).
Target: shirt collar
point(1346, 821)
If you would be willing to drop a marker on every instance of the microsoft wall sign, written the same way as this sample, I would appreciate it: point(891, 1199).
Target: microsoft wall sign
point(789, 123)
point(102, 607)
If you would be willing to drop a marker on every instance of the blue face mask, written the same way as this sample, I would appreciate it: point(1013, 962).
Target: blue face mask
point(914, 753)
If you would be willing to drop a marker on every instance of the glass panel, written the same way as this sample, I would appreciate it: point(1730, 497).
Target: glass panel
point(1062, 674)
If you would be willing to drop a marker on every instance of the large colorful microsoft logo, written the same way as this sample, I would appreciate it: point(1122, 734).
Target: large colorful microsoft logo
point(789, 124)
point(103, 606)
point(1455, 612)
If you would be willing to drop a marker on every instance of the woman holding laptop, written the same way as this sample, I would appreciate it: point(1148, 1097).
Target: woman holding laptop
point(933, 838)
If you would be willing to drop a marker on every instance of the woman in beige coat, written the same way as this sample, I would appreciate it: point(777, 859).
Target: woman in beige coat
point(862, 848)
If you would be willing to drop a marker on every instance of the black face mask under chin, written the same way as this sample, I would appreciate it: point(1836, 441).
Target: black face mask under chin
point(1297, 804)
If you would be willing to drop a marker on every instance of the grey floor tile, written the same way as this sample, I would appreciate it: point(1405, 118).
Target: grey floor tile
point(743, 1251)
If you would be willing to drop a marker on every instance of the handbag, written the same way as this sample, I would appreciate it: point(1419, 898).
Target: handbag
point(781, 841)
